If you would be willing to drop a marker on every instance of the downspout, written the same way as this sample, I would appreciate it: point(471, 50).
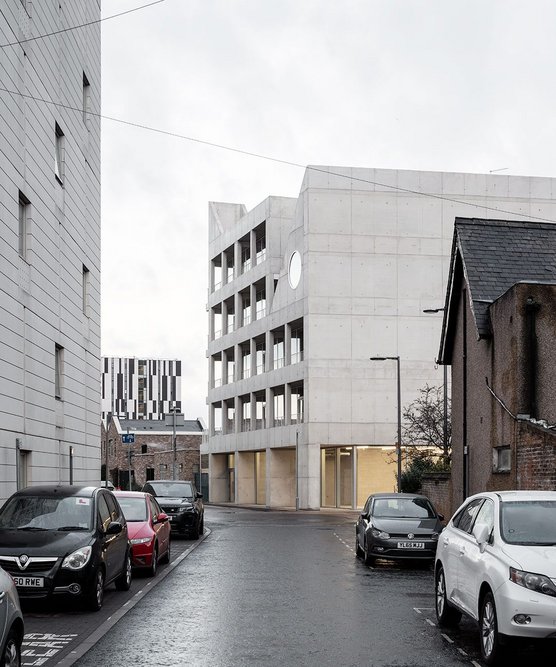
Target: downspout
point(465, 474)
point(531, 309)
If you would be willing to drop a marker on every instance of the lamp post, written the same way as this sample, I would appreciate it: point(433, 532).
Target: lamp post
point(445, 369)
point(399, 443)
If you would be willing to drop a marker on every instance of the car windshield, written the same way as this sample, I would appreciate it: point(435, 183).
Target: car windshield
point(134, 509)
point(170, 489)
point(47, 513)
point(529, 522)
point(406, 508)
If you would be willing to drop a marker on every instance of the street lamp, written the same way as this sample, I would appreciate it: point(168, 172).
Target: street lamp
point(445, 368)
point(399, 443)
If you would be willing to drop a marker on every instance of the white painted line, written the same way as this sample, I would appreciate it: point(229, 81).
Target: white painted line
point(462, 652)
point(430, 622)
point(417, 610)
point(448, 639)
point(475, 664)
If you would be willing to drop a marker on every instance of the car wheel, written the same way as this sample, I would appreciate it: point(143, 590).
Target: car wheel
point(123, 582)
point(95, 595)
point(11, 653)
point(492, 649)
point(154, 565)
point(445, 613)
point(166, 557)
point(195, 531)
point(367, 558)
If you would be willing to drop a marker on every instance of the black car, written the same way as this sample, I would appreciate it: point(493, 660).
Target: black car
point(181, 501)
point(397, 526)
point(65, 540)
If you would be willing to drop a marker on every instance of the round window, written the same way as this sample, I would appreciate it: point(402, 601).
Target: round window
point(294, 269)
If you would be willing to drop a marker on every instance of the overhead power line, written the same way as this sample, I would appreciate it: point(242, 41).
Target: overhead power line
point(77, 27)
point(289, 163)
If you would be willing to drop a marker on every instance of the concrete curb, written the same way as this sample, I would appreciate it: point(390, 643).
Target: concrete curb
point(111, 621)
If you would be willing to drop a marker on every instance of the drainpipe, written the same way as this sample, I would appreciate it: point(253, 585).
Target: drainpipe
point(531, 309)
point(465, 474)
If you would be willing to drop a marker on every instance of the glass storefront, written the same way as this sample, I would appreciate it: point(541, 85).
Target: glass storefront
point(350, 474)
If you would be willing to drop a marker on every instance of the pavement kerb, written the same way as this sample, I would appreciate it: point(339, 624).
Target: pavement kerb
point(110, 622)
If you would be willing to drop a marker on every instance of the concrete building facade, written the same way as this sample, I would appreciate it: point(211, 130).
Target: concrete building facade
point(136, 388)
point(302, 292)
point(49, 243)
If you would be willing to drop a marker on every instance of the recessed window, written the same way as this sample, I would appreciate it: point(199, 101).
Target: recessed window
point(23, 224)
point(85, 285)
point(58, 361)
point(86, 97)
point(59, 154)
point(502, 459)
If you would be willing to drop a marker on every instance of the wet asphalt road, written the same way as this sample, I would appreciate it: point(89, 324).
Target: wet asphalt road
point(273, 588)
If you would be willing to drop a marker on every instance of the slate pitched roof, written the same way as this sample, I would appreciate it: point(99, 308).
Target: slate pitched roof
point(140, 425)
point(494, 255)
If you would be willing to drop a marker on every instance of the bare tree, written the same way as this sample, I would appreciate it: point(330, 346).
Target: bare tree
point(423, 425)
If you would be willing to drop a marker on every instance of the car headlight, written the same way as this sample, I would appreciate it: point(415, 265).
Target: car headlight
point(140, 540)
point(532, 581)
point(187, 508)
point(375, 532)
point(77, 559)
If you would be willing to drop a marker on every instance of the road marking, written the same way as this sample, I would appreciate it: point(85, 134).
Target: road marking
point(448, 639)
point(428, 620)
point(462, 652)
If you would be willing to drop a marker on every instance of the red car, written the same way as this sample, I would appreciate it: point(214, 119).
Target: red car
point(148, 528)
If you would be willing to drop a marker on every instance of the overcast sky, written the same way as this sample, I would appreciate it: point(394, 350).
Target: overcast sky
point(458, 85)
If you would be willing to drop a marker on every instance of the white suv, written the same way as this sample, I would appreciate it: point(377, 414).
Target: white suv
point(496, 562)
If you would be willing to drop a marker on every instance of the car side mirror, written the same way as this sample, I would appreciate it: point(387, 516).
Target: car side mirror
point(161, 518)
point(198, 495)
point(365, 515)
point(481, 532)
point(114, 528)
point(441, 517)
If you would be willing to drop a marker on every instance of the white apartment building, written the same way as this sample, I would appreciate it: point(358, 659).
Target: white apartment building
point(138, 388)
point(302, 292)
point(49, 243)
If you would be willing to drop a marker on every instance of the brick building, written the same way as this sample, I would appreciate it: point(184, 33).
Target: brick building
point(152, 452)
point(498, 335)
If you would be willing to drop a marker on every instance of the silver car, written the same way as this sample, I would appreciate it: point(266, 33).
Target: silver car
point(11, 622)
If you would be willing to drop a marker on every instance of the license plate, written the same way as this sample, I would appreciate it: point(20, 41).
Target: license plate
point(411, 545)
point(170, 518)
point(29, 582)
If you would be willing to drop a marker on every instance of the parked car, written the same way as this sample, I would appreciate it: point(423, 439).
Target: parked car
point(182, 502)
point(496, 563)
point(397, 526)
point(65, 540)
point(11, 622)
point(107, 484)
point(148, 529)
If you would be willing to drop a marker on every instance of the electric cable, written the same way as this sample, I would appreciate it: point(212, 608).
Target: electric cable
point(77, 27)
point(289, 163)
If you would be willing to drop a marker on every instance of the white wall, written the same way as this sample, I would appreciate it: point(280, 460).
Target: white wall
point(41, 297)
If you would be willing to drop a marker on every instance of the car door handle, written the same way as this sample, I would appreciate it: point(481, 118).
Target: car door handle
point(461, 551)
point(446, 541)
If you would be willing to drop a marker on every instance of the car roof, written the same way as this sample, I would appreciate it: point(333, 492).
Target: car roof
point(131, 494)
point(57, 490)
point(168, 481)
point(509, 496)
point(397, 495)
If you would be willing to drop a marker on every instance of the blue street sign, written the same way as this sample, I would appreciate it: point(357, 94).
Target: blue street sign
point(128, 438)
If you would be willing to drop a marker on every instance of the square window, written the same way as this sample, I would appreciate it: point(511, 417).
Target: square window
point(502, 459)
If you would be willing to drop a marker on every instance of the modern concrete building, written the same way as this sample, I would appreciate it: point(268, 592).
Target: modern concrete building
point(49, 243)
point(135, 388)
point(302, 292)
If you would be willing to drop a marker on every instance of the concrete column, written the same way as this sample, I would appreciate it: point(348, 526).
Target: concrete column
point(218, 477)
point(224, 268)
point(253, 354)
point(237, 308)
point(237, 363)
point(237, 259)
point(288, 404)
point(287, 345)
point(253, 246)
point(245, 476)
point(269, 408)
point(281, 477)
point(252, 298)
point(224, 367)
point(224, 318)
point(253, 403)
point(237, 421)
